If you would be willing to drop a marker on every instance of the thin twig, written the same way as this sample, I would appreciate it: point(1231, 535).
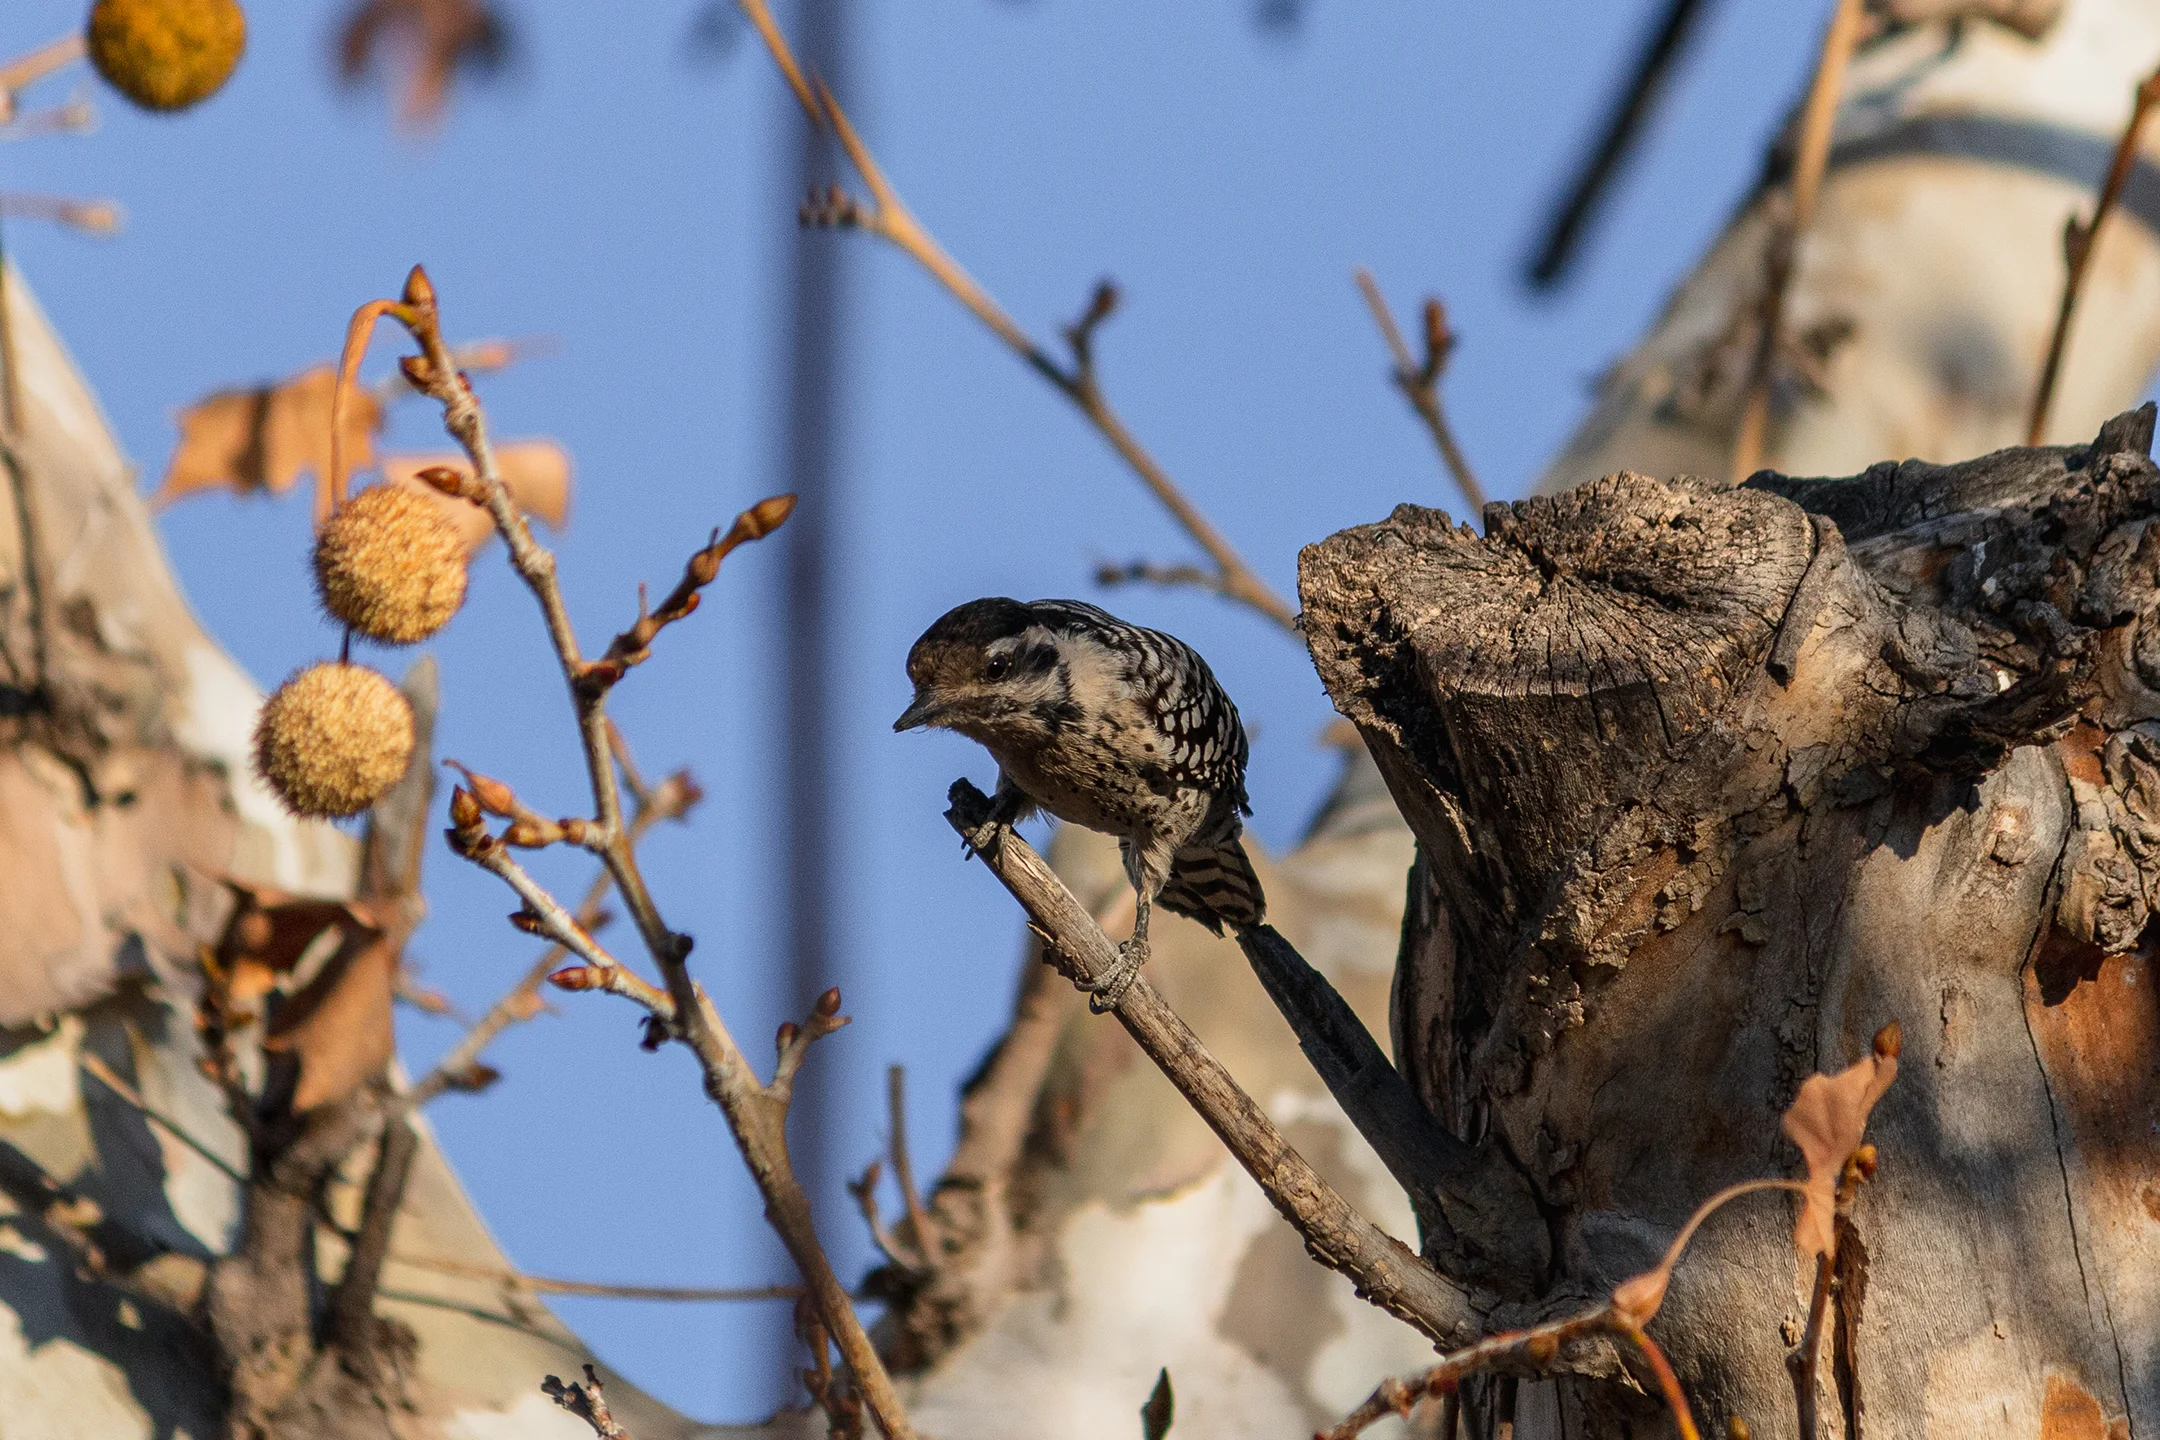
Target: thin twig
point(1383, 1269)
point(92, 217)
point(1818, 118)
point(672, 799)
point(25, 70)
point(548, 1285)
point(1668, 1382)
point(1147, 572)
point(1624, 124)
point(1420, 383)
point(352, 1307)
point(105, 1075)
point(904, 1167)
point(1534, 1350)
point(1803, 1362)
point(2078, 237)
point(756, 1114)
point(864, 1190)
point(883, 214)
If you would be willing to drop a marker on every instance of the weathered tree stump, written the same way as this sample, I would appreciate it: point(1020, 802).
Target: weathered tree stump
point(1708, 785)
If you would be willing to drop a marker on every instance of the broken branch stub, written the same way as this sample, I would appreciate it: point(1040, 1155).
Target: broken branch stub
point(1709, 785)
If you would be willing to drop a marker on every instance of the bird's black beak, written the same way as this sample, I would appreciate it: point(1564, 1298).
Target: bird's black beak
point(924, 711)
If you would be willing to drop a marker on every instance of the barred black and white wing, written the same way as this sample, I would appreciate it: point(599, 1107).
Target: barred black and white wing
point(1205, 742)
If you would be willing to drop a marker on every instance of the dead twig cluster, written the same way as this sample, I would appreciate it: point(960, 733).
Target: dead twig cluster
point(917, 1250)
point(882, 213)
point(678, 1008)
point(1419, 381)
point(587, 1401)
point(2078, 237)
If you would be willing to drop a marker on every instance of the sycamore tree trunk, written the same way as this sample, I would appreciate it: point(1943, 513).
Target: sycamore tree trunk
point(1708, 784)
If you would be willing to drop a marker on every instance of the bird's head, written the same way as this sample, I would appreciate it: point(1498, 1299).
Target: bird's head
point(988, 669)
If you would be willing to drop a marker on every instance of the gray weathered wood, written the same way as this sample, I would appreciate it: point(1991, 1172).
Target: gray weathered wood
point(1672, 862)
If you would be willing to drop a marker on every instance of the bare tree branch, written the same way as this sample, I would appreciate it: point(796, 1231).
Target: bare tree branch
point(1475, 1211)
point(1818, 117)
point(671, 799)
point(549, 1285)
point(756, 1113)
point(352, 1306)
point(1420, 383)
point(26, 70)
point(2078, 239)
point(1384, 1270)
point(904, 1166)
point(1147, 572)
point(883, 214)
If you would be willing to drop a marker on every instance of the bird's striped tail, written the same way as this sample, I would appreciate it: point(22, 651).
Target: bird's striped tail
point(1215, 886)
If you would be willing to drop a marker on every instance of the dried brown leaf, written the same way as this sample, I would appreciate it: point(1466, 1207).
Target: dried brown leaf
point(430, 41)
point(339, 1026)
point(537, 473)
point(271, 929)
point(263, 438)
point(1828, 1121)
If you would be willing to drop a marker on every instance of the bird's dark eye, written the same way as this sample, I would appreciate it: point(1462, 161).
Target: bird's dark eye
point(998, 667)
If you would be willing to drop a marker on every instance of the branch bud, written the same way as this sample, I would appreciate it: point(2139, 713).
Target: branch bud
point(447, 479)
point(473, 1078)
point(1890, 1041)
point(419, 290)
point(488, 793)
point(766, 516)
point(530, 832)
point(786, 1035)
point(828, 1004)
point(579, 977)
point(464, 809)
point(528, 922)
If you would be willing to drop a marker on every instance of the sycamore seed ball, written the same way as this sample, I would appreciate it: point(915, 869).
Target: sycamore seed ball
point(333, 738)
point(391, 565)
point(166, 54)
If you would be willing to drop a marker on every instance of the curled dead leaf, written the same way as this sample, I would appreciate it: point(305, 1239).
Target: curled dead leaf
point(263, 438)
point(339, 1025)
point(429, 41)
point(331, 1024)
point(1828, 1121)
point(537, 473)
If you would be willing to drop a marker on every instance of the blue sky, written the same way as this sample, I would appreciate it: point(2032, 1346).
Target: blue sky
point(610, 193)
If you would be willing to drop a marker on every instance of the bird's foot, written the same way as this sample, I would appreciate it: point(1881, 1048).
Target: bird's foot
point(983, 839)
point(1107, 991)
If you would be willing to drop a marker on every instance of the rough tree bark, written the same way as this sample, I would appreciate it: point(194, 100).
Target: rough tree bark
point(1708, 784)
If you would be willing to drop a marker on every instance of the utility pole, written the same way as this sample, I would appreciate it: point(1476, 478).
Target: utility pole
point(809, 438)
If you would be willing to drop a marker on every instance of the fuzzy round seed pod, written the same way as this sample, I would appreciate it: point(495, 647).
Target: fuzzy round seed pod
point(333, 738)
point(391, 565)
point(166, 54)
